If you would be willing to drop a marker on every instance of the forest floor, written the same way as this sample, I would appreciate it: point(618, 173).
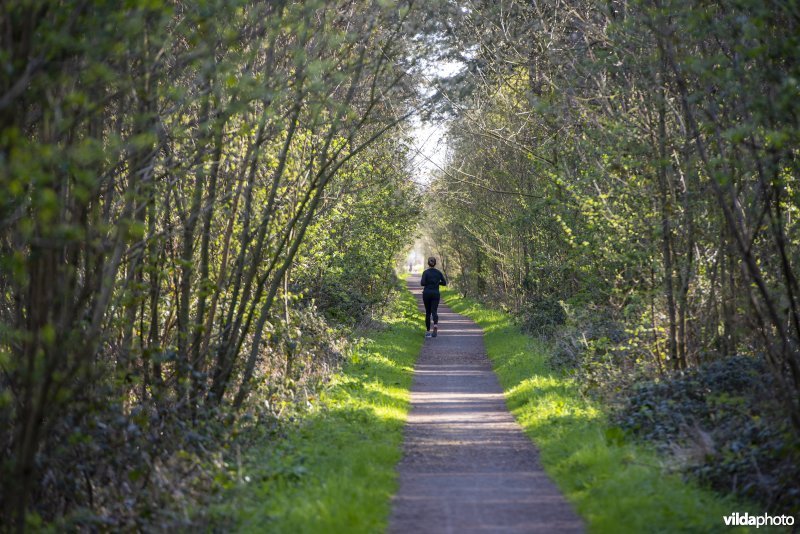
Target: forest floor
point(467, 465)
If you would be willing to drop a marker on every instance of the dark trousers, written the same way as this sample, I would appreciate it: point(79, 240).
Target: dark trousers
point(431, 302)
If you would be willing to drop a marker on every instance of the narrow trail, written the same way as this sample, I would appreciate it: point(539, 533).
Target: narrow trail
point(467, 465)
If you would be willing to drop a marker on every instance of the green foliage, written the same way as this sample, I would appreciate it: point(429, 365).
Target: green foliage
point(541, 316)
point(166, 170)
point(565, 184)
point(347, 262)
point(635, 166)
point(615, 484)
point(720, 421)
point(333, 470)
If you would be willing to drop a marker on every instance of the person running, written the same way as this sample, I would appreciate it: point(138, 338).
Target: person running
point(431, 279)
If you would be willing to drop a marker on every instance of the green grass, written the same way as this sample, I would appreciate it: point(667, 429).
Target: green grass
point(615, 485)
point(335, 470)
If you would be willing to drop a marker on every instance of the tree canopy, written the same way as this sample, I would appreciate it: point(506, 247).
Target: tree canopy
point(185, 187)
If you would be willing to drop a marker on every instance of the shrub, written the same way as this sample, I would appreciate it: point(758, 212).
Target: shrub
point(541, 316)
point(721, 423)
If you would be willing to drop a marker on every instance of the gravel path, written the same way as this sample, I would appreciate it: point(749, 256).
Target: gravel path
point(467, 466)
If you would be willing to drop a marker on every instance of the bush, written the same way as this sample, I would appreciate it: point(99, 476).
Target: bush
point(721, 423)
point(592, 345)
point(541, 316)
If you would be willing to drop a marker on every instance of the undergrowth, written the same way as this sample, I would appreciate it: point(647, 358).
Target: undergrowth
point(333, 468)
point(616, 484)
point(722, 423)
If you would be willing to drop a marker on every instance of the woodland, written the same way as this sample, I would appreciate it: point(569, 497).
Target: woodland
point(623, 180)
point(201, 203)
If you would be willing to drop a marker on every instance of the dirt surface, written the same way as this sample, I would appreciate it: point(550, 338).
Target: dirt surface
point(467, 466)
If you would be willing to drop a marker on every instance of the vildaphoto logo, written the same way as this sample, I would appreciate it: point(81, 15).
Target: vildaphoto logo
point(746, 520)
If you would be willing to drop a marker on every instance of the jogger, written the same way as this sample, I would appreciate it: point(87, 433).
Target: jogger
point(431, 279)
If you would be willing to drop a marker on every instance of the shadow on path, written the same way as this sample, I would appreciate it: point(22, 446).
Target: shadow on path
point(467, 466)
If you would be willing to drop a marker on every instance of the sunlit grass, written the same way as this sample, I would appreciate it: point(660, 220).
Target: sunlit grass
point(335, 470)
point(614, 484)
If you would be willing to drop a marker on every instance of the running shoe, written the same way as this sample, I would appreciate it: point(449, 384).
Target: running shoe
point(427, 334)
point(435, 330)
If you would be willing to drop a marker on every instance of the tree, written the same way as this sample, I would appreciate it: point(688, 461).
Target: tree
point(163, 166)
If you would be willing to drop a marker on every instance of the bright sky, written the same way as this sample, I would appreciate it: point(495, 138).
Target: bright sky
point(429, 144)
point(428, 150)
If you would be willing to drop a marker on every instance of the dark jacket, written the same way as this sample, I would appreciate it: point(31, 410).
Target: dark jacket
point(431, 280)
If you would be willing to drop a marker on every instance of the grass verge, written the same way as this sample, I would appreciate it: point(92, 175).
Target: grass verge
point(334, 470)
point(615, 485)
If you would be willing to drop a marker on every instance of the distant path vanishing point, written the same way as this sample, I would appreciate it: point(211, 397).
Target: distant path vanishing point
point(467, 465)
